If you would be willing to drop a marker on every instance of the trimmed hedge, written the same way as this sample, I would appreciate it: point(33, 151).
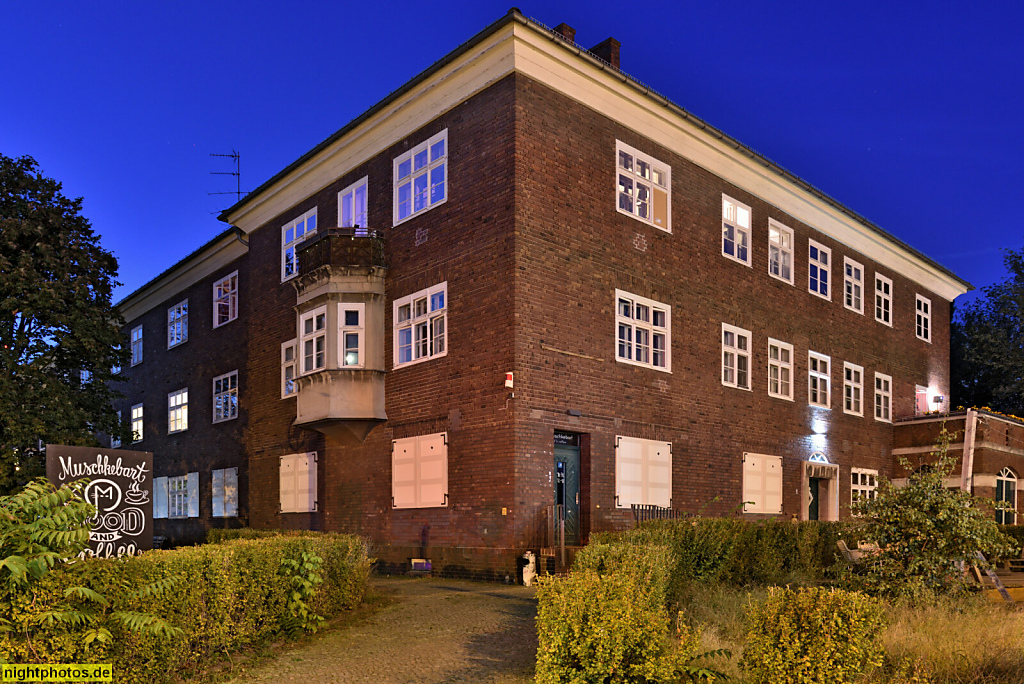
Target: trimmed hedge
point(227, 595)
point(811, 636)
point(219, 536)
point(740, 552)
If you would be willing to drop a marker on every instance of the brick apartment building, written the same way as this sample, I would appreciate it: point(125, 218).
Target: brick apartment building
point(687, 325)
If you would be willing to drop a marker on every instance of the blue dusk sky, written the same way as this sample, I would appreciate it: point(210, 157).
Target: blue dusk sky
point(909, 113)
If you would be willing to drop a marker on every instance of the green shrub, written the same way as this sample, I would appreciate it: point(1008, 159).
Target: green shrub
point(737, 551)
point(605, 629)
point(228, 595)
point(649, 564)
point(812, 635)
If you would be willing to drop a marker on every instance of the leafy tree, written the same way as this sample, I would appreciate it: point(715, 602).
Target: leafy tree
point(41, 527)
point(927, 534)
point(987, 345)
point(60, 336)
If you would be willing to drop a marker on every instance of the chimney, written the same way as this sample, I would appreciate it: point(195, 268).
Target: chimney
point(608, 50)
point(566, 31)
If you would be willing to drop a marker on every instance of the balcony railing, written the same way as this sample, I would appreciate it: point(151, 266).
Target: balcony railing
point(342, 248)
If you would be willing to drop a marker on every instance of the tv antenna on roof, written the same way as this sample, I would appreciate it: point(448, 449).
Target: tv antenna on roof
point(236, 173)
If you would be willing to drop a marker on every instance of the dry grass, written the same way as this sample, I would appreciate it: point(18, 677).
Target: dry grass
point(958, 641)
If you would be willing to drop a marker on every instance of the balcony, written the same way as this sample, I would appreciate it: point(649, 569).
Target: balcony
point(342, 248)
point(340, 298)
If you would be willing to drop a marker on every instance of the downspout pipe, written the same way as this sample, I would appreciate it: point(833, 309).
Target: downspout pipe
point(970, 431)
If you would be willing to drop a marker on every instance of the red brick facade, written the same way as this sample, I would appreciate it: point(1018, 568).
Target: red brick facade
point(533, 249)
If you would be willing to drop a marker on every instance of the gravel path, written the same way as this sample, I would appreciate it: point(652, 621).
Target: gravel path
point(435, 631)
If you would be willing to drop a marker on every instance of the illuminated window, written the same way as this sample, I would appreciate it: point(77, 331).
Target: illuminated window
point(644, 187)
point(137, 423)
point(1006, 490)
point(780, 251)
point(350, 334)
point(177, 411)
point(735, 230)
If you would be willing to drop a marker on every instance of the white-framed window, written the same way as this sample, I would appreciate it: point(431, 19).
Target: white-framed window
point(351, 337)
point(863, 483)
point(643, 472)
point(819, 380)
point(136, 423)
point(1006, 490)
point(225, 493)
point(419, 471)
point(780, 251)
point(780, 369)
point(115, 442)
point(643, 330)
point(289, 368)
point(313, 340)
point(762, 483)
point(818, 269)
point(177, 324)
point(297, 476)
point(291, 235)
point(136, 345)
point(643, 187)
point(921, 400)
point(421, 326)
point(883, 397)
point(177, 411)
point(923, 320)
point(735, 230)
point(225, 397)
point(735, 357)
point(883, 300)
point(225, 300)
point(182, 496)
point(421, 178)
point(352, 205)
point(853, 389)
point(853, 285)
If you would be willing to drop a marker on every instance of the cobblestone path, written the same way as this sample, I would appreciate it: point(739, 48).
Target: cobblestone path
point(435, 631)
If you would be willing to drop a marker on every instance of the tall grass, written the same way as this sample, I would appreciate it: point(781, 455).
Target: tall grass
point(967, 640)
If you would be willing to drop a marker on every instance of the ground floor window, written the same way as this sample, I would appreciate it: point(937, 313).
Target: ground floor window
point(225, 493)
point(862, 484)
point(643, 472)
point(762, 483)
point(298, 483)
point(176, 497)
point(419, 471)
point(1006, 490)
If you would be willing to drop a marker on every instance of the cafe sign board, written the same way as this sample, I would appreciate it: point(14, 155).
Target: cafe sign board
point(120, 487)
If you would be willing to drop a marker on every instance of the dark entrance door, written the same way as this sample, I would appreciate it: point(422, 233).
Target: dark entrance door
point(567, 483)
point(813, 484)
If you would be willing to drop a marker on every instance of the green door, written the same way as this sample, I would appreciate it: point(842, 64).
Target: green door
point(567, 485)
point(813, 484)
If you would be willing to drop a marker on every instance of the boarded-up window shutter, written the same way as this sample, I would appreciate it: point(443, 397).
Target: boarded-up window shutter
point(629, 472)
point(298, 483)
point(419, 471)
point(762, 483)
point(231, 492)
point(160, 497)
point(193, 495)
point(658, 473)
point(218, 493)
